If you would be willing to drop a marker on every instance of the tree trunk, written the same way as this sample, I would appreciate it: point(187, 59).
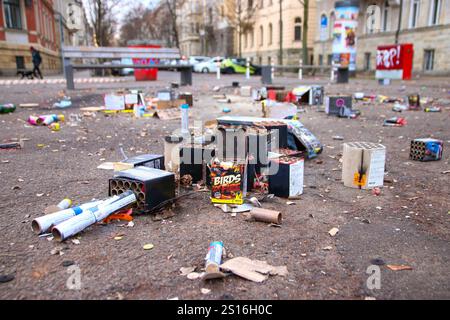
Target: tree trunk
point(305, 31)
point(240, 43)
point(280, 58)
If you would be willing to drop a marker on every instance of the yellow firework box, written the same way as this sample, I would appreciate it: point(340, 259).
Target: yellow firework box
point(228, 183)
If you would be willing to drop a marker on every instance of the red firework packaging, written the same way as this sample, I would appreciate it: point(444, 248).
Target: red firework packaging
point(227, 183)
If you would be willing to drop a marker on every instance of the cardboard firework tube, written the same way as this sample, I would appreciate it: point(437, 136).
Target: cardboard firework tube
point(120, 184)
point(63, 205)
point(79, 223)
point(135, 187)
point(12, 145)
point(35, 121)
point(44, 223)
point(268, 216)
point(127, 185)
point(113, 184)
point(214, 257)
point(49, 119)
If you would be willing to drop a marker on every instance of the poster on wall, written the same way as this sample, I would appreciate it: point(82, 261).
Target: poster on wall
point(395, 61)
point(344, 34)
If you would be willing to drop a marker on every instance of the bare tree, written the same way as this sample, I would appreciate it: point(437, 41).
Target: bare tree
point(103, 20)
point(280, 53)
point(239, 14)
point(173, 7)
point(139, 24)
point(305, 4)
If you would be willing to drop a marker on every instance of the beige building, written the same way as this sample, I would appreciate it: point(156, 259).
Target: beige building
point(190, 18)
point(71, 22)
point(205, 28)
point(261, 40)
point(24, 24)
point(425, 23)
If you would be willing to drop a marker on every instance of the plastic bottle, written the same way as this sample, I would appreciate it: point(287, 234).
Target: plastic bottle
point(185, 121)
point(7, 108)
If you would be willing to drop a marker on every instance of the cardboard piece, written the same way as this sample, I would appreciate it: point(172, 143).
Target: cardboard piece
point(170, 104)
point(92, 109)
point(168, 114)
point(246, 91)
point(280, 110)
point(114, 102)
point(29, 105)
point(253, 270)
point(131, 98)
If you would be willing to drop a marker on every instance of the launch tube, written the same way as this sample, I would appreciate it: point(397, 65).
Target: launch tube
point(80, 222)
point(44, 223)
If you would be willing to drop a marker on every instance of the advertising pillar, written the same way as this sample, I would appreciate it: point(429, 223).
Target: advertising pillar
point(344, 37)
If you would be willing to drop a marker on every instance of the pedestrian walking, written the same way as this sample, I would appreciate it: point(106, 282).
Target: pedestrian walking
point(37, 60)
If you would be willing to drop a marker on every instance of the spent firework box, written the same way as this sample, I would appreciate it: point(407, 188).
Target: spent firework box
point(228, 182)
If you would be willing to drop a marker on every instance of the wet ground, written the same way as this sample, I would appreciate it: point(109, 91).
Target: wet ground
point(407, 225)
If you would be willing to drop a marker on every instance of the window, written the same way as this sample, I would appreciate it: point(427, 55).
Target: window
point(298, 29)
point(428, 61)
point(13, 14)
point(270, 34)
point(20, 62)
point(414, 15)
point(320, 60)
point(252, 38)
point(329, 59)
point(373, 18)
point(246, 40)
point(261, 36)
point(435, 10)
point(261, 4)
point(367, 58)
point(332, 21)
point(323, 27)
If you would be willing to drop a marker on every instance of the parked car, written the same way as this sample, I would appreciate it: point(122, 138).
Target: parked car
point(193, 60)
point(208, 66)
point(123, 72)
point(238, 65)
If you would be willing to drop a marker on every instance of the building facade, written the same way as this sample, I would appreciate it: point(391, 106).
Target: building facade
point(205, 28)
point(424, 23)
point(71, 22)
point(260, 40)
point(26, 23)
point(190, 17)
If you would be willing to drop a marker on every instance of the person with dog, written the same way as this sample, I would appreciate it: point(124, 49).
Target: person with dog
point(37, 60)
